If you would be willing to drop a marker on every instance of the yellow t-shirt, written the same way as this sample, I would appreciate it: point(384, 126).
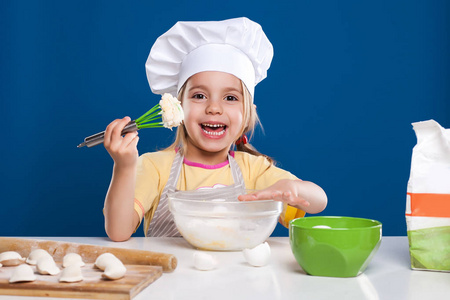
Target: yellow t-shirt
point(154, 170)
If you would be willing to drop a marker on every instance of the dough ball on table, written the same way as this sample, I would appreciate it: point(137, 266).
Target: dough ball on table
point(37, 254)
point(22, 273)
point(47, 266)
point(71, 259)
point(11, 258)
point(71, 274)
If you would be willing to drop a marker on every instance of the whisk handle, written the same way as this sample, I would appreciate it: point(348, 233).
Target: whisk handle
point(98, 138)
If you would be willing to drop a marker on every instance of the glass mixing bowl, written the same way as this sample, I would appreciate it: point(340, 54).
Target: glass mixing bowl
point(224, 225)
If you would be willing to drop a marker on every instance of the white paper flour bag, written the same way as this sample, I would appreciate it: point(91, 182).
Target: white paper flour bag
point(428, 198)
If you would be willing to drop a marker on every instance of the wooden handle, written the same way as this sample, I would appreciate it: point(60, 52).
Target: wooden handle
point(89, 253)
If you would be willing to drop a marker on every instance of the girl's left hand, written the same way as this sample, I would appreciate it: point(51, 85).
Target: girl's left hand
point(301, 194)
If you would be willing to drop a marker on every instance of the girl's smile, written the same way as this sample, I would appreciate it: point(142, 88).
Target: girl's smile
point(213, 130)
point(213, 107)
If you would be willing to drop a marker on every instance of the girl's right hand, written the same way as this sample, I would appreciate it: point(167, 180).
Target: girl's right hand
point(123, 150)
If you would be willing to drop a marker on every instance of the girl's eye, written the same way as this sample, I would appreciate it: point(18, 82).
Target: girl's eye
point(198, 96)
point(231, 98)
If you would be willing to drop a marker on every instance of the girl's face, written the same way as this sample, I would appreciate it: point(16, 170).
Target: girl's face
point(213, 108)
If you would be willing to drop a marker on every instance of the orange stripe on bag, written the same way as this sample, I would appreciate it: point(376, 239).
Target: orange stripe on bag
point(430, 205)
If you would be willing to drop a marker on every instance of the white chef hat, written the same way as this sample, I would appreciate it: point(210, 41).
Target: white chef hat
point(236, 46)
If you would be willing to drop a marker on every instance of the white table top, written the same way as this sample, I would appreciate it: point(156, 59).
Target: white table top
point(388, 276)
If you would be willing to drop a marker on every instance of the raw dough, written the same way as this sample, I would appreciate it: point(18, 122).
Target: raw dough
point(11, 258)
point(47, 266)
point(71, 274)
point(22, 273)
point(103, 260)
point(112, 266)
point(71, 259)
point(35, 255)
point(114, 271)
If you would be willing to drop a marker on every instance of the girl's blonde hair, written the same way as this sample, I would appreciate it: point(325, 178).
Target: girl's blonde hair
point(250, 121)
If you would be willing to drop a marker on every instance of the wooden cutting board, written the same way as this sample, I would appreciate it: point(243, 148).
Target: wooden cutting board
point(93, 286)
point(89, 253)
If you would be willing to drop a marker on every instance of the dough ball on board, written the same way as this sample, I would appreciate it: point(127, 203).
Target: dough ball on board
point(22, 273)
point(47, 266)
point(71, 259)
point(71, 274)
point(11, 258)
point(37, 254)
point(112, 266)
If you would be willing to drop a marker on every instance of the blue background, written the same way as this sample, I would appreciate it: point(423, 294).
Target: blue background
point(347, 80)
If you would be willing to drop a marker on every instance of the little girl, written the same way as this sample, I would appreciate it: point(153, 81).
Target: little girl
point(212, 67)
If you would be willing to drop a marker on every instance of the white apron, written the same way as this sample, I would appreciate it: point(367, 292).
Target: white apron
point(163, 224)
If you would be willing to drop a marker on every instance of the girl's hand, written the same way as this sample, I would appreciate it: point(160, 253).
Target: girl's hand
point(305, 195)
point(123, 150)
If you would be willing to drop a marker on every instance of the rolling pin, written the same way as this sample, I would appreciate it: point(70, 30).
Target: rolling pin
point(89, 253)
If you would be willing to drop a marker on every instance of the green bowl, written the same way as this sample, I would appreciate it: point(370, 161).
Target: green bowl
point(334, 246)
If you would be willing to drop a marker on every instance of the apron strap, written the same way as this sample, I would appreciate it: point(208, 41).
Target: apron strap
point(162, 223)
point(236, 173)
